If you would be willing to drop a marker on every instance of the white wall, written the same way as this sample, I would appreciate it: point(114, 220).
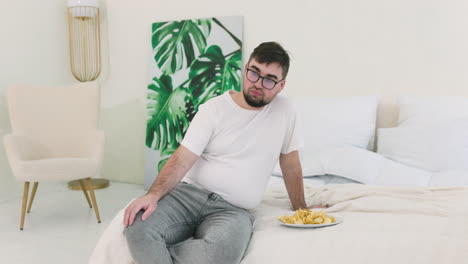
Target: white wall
point(338, 47)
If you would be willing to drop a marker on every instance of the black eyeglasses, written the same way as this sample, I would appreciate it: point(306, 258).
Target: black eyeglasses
point(267, 83)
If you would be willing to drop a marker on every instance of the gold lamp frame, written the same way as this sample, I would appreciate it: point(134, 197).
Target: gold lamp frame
point(84, 36)
point(85, 39)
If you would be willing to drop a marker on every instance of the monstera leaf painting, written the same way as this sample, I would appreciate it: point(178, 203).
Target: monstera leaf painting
point(192, 61)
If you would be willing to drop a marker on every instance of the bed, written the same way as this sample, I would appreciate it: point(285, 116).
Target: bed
point(407, 202)
point(380, 225)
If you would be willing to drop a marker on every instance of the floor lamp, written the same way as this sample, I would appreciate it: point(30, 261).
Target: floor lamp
point(85, 52)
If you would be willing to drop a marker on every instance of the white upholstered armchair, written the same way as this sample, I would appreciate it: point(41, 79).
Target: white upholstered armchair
point(54, 137)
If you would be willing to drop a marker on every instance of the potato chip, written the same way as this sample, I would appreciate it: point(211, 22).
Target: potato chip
point(306, 216)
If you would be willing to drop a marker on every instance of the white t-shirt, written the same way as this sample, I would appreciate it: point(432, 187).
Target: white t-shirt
point(239, 148)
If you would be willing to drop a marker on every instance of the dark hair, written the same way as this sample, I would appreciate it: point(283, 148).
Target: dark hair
point(270, 52)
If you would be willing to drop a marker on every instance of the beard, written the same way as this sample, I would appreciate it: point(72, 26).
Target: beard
point(257, 102)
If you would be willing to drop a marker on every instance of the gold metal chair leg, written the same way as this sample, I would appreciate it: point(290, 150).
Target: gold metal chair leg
point(82, 183)
point(25, 200)
point(33, 194)
point(93, 198)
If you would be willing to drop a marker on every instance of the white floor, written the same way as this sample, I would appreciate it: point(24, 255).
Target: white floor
point(61, 228)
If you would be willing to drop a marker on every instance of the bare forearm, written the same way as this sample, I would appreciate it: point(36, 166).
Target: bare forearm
point(171, 174)
point(292, 175)
point(295, 186)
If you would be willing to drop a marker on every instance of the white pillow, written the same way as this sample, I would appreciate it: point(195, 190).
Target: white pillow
point(371, 168)
point(427, 110)
point(337, 121)
point(311, 163)
point(450, 178)
point(333, 121)
point(368, 167)
point(435, 147)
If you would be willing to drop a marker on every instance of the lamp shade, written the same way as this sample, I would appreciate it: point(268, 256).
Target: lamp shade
point(83, 8)
point(84, 39)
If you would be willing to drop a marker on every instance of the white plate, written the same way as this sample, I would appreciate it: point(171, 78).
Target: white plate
point(338, 220)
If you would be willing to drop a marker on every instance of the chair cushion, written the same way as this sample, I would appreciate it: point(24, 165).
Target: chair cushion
point(58, 169)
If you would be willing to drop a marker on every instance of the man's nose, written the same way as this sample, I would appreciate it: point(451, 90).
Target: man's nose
point(258, 83)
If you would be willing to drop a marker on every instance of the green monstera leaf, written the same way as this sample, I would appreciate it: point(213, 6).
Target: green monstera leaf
point(176, 43)
point(167, 118)
point(213, 73)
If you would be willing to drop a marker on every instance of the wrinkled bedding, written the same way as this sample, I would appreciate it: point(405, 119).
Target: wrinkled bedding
point(381, 225)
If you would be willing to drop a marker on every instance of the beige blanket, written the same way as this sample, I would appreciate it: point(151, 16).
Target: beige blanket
point(381, 225)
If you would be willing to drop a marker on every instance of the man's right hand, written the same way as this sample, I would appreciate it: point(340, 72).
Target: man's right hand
point(148, 203)
point(170, 175)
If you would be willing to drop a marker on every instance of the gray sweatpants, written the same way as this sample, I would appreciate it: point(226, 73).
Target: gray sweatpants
point(191, 226)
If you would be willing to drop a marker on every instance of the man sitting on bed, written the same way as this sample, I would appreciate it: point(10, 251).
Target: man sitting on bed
point(228, 154)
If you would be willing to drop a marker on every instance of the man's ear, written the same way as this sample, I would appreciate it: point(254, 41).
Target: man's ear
point(282, 83)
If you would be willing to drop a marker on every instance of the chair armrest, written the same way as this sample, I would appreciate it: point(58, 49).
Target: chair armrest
point(21, 148)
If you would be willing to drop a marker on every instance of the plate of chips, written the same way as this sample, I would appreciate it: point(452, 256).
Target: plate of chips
point(305, 218)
